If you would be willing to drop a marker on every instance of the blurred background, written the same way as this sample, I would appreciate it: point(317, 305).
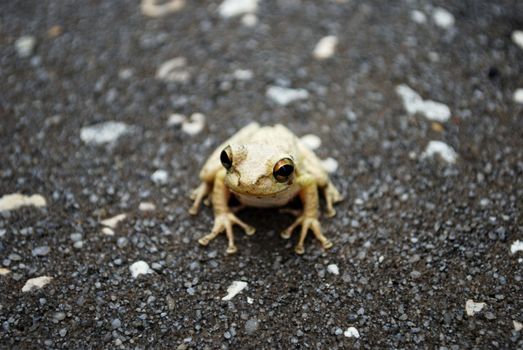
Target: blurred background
point(109, 109)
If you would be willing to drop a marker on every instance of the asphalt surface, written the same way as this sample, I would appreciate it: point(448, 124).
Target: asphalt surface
point(415, 239)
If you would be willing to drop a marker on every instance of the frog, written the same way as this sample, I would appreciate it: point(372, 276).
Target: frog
point(264, 166)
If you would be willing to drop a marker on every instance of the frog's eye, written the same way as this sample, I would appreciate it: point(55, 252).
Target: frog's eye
point(226, 157)
point(283, 169)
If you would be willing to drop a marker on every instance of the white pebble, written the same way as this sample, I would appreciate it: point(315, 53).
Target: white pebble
point(146, 206)
point(25, 45)
point(151, 8)
point(351, 332)
point(160, 177)
point(311, 141)
point(176, 119)
point(330, 165)
point(446, 152)
point(16, 200)
point(113, 221)
point(413, 103)
point(517, 326)
point(250, 20)
point(194, 125)
point(4, 271)
point(250, 300)
point(333, 268)
point(472, 307)
point(174, 70)
point(443, 18)
point(235, 288)
point(518, 96)
point(243, 74)
point(517, 246)
point(325, 48)
point(103, 132)
point(36, 283)
point(140, 268)
point(108, 231)
point(283, 96)
point(233, 8)
point(517, 38)
point(418, 17)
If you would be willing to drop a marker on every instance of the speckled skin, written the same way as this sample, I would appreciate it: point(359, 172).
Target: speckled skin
point(255, 151)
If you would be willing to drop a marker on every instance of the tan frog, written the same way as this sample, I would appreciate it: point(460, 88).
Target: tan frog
point(264, 167)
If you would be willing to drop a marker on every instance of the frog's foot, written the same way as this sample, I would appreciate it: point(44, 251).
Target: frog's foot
point(306, 222)
point(332, 196)
point(224, 222)
point(198, 194)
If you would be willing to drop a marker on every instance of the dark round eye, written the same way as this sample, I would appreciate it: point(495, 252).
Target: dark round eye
point(283, 169)
point(226, 157)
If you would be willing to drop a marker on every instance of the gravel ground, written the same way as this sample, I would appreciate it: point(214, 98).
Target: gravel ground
point(426, 229)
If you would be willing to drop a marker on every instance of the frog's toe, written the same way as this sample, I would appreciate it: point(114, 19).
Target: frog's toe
point(250, 230)
point(204, 241)
point(327, 244)
point(286, 234)
point(299, 249)
point(330, 212)
point(232, 249)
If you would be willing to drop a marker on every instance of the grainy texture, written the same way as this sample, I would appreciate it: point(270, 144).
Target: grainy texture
point(413, 241)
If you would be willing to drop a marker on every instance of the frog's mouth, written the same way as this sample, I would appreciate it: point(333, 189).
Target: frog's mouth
point(258, 195)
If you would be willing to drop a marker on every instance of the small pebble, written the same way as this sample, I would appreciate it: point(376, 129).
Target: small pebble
point(330, 165)
point(25, 46)
point(518, 96)
point(333, 268)
point(517, 246)
point(40, 251)
point(116, 323)
point(75, 237)
point(112, 222)
point(108, 231)
point(472, 307)
point(146, 206)
point(155, 8)
point(122, 242)
point(16, 200)
point(325, 48)
point(174, 70)
point(351, 332)
point(251, 326)
point(176, 119)
point(517, 326)
point(440, 148)
point(194, 125)
point(36, 283)
point(418, 17)
point(78, 244)
point(102, 133)
point(443, 18)
point(311, 141)
point(243, 74)
point(59, 316)
point(160, 177)
point(284, 96)
point(517, 38)
point(233, 8)
point(140, 268)
point(235, 288)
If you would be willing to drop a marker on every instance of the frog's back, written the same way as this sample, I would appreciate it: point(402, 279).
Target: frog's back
point(276, 135)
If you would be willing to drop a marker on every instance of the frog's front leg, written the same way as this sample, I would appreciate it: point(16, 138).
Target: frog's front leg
point(309, 218)
point(224, 219)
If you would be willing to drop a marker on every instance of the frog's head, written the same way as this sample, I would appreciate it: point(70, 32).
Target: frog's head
point(257, 170)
